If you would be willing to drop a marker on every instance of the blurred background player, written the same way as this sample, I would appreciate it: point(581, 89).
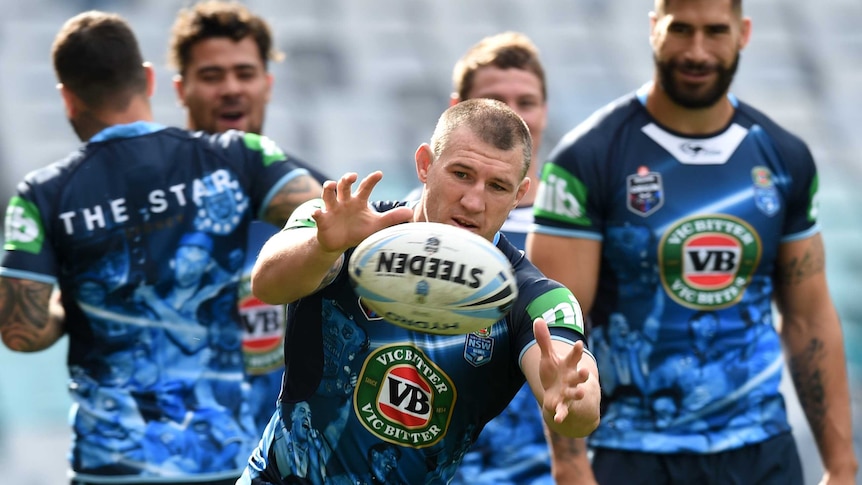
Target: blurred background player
point(730, 198)
point(221, 51)
point(136, 206)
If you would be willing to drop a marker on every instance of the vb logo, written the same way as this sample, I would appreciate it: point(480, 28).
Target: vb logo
point(706, 261)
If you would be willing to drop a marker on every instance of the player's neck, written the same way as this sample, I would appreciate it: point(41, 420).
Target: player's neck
point(688, 121)
point(139, 109)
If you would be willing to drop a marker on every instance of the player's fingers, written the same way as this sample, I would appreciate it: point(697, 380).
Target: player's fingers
point(574, 356)
point(328, 194)
point(396, 216)
point(367, 184)
point(344, 185)
point(561, 412)
point(543, 336)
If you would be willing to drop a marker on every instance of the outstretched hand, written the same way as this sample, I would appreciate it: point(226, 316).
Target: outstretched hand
point(561, 378)
point(346, 218)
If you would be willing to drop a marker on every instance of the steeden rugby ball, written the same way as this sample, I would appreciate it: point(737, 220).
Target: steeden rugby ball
point(433, 278)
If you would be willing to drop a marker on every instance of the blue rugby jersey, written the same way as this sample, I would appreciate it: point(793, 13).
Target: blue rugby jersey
point(144, 229)
point(362, 394)
point(690, 230)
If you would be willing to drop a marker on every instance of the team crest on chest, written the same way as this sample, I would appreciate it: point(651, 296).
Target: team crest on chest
point(706, 261)
point(644, 192)
point(479, 347)
point(765, 193)
point(403, 397)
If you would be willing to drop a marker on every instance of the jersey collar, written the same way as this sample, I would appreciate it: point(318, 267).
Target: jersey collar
point(129, 130)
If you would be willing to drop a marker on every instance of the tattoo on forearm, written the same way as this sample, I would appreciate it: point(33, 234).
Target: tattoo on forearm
point(812, 262)
point(331, 274)
point(807, 373)
point(291, 196)
point(23, 311)
point(564, 445)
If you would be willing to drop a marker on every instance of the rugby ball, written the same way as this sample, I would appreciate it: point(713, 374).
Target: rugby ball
point(433, 278)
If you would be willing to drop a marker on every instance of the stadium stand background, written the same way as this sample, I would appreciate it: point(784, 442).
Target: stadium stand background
point(363, 84)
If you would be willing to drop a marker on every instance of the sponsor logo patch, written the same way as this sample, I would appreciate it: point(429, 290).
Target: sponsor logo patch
point(263, 329)
point(707, 260)
point(402, 397)
point(23, 228)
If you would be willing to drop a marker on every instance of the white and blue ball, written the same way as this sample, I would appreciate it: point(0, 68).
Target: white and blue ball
point(433, 278)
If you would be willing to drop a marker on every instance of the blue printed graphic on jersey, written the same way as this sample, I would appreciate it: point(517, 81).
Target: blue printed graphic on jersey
point(690, 230)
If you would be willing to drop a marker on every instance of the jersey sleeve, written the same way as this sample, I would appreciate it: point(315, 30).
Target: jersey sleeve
point(796, 174)
point(269, 168)
point(27, 244)
point(802, 198)
point(568, 200)
point(301, 216)
point(539, 296)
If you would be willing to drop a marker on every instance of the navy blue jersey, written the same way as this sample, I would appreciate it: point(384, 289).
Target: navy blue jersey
point(144, 230)
point(690, 230)
point(363, 397)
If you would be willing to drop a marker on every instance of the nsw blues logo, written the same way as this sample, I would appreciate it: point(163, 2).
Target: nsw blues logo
point(479, 347)
point(220, 201)
point(645, 192)
point(765, 193)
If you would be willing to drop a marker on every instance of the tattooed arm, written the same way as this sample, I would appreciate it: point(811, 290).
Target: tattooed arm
point(811, 332)
point(30, 319)
point(291, 196)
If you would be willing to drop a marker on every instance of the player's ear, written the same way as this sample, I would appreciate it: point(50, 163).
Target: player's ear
point(151, 79)
point(424, 157)
point(522, 190)
point(270, 79)
point(454, 99)
point(745, 32)
point(70, 101)
point(179, 87)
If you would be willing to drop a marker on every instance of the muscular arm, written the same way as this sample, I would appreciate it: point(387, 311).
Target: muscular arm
point(574, 263)
point(30, 320)
point(812, 336)
point(289, 197)
point(297, 262)
point(292, 264)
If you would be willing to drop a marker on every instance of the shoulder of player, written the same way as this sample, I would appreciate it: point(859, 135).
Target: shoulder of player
point(787, 141)
point(597, 131)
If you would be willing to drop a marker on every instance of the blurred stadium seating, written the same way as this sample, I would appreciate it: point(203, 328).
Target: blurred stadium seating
point(363, 84)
